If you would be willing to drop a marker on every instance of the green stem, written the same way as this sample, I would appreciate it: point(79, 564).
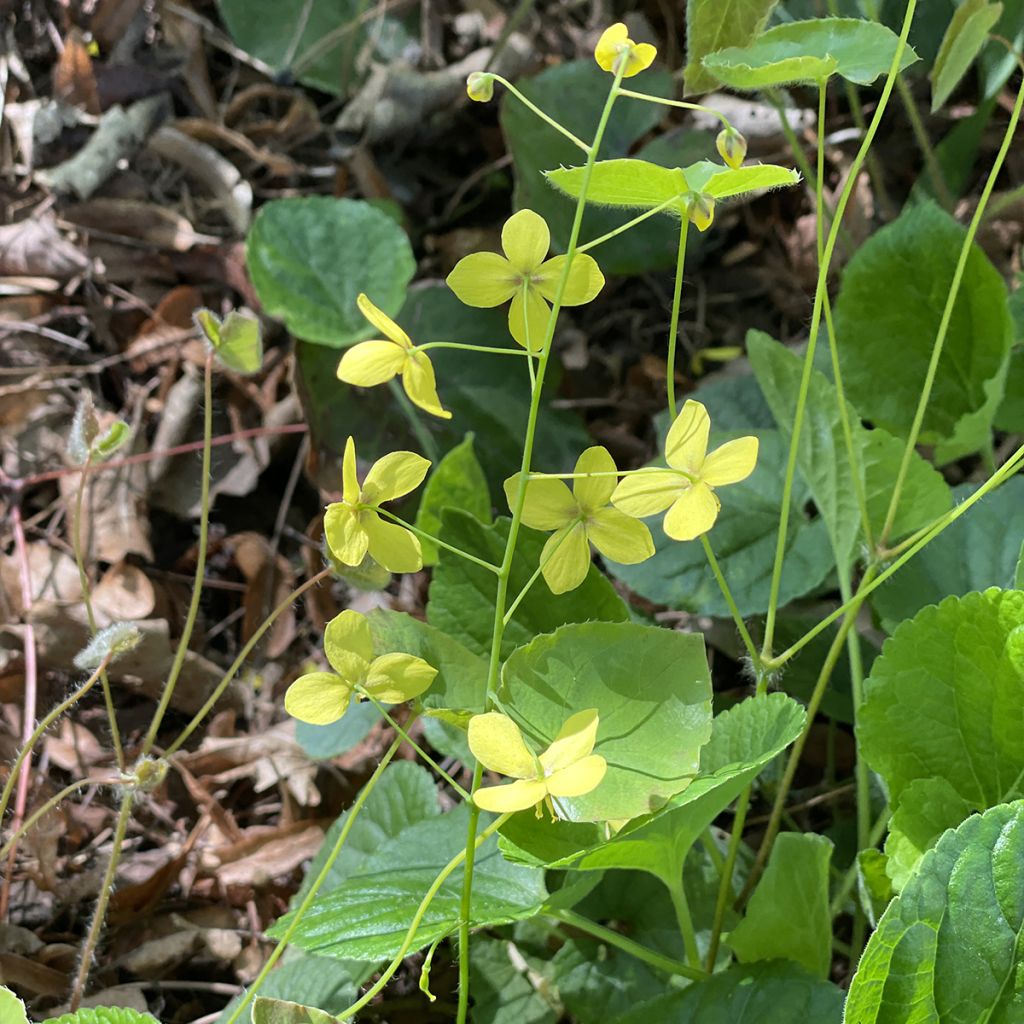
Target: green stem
point(819, 293)
point(796, 146)
point(613, 938)
point(240, 659)
point(314, 889)
point(947, 315)
point(29, 823)
point(660, 208)
point(100, 910)
point(533, 579)
point(673, 330)
point(680, 104)
point(489, 349)
point(685, 921)
point(423, 535)
point(924, 144)
point(716, 569)
point(725, 888)
point(45, 724)
point(533, 108)
point(197, 587)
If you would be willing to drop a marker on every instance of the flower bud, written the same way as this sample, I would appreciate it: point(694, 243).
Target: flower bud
point(701, 210)
point(480, 86)
point(732, 147)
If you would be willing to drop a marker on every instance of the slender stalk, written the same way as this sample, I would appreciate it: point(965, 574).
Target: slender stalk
point(796, 147)
point(533, 579)
point(679, 104)
point(725, 888)
point(423, 535)
point(99, 913)
point(819, 293)
point(660, 208)
point(197, 587)
point(685, 921)
point(314, 889)
point(42, 811)
point(716, 570)
point(924, 144)
point(489, 349)
point(947, 314)
point(243, 654)
point(656, 960)
point(673, 330)
point(548, 120)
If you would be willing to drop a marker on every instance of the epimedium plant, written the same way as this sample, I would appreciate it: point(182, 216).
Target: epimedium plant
point(593, 748)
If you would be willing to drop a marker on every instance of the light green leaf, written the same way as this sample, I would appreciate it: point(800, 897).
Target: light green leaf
point(729, 182)
point(457, 481)
point(114, 437)
point(462, 595)
point(964, 39)
point(945, 701)
point(979, 550)
point(743, 539)
point(309, 258)
point(895, 287)
point(101, 1015)
point(874, 887)
point(949, 946)
point(236, 339)
point(367, 916)
point(714, 24)
point(788, 915)
point(761, 993)
point(652, 690)
point(810, 51)
point(12, 1009)
point(267, 1010)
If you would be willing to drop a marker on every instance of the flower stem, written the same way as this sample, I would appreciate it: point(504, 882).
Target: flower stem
point(725, 890)
point(660, 208)
point(40, 812)
point(673, 330)
point(685, 921)
point(489, 349)
point(440, 543)
point(680, 104)
point(716, 569)
point(546, 118)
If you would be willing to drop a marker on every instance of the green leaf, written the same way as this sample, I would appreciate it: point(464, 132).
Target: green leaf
point(462, 594)
point(652, 690)
point(267, 1010)
point(810, 51)
point(114, 437)
point(1018, 576)
point(896, 286)
point(964, 39)
point(510, 986)
point(949, 946)
point(873, 884)
point(945, 701)
point(236, 339)
point(457, 481)
point(101, 1015)
point(574, 94)
point(743, 539)
point(309, 258)
point(461, 681)
point(788, 915)
point(979, 550)
point(12, 1009)
point(367, 916)
point(714, 24)
point(323, 742)
point(729, 182)
point(762, 993)
point(1010, 414)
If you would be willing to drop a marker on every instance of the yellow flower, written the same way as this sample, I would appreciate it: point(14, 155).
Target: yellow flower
point(700, 209)
point(686, 489)
point(323, 697)
point(480, 86)
point(614, 43)
point(525, 276)
point(580, 517)
point(567, 768)
point(374, 362)
point(732, 147)
point(353, 527)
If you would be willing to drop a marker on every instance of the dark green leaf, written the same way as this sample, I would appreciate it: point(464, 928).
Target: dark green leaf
point(714, 24)
point(511, 987)
point(966, 36)
point(322, 742)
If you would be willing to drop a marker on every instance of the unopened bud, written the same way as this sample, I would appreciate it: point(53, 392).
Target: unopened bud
point(701, 210)
point(732, 147)
point(480, 86)
point(110, 643)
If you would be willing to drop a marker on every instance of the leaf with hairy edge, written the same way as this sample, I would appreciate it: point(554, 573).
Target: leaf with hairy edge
point(714, 24)
point(964, 39)
point(100, 1015)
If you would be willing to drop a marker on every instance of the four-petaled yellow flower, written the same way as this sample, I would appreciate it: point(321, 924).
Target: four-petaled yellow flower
point(323, 697)
point(526, 276)
point(615, 43)
point(353, 527)
point(374, 362)
point(567, 768)
point(580, 517)
point(686, 489)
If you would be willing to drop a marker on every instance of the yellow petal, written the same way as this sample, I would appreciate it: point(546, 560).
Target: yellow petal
point(395, 678)
point(594, 492)
point(484, 279)
point(575, 740)
point(349, 479)
point(585, 279)
point(391, 545)
point(687, 441)
point(609, 46)
point(565, 559)
point(318, 698)
point(641, 57)
point(498, 745)
point(549, 503)
point(395, 474)
point(344, 534)
point(648, 492)
point(371, 362)
point(348, 632)
point(526, 241)
point(732, 462)
point(693, 513)
point(579, 778)
point(529, 319)
point(619, 537)
point(517, 796)
point(421, 387)
point(382, 322)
